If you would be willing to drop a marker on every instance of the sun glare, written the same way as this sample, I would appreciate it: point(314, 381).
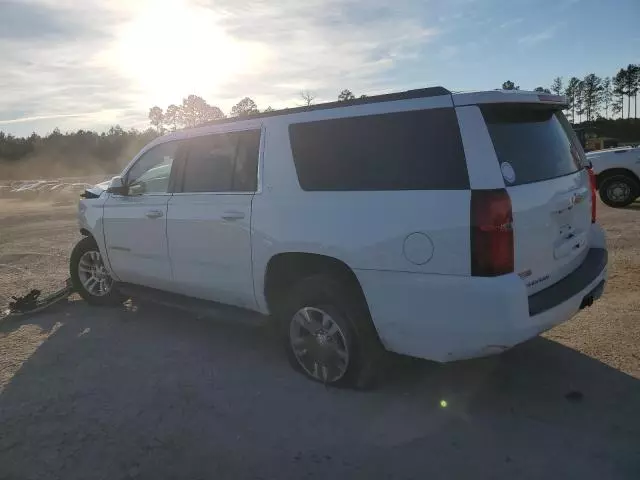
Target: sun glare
point(172, 49)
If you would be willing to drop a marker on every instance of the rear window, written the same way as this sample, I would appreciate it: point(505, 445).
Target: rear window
point(417, 150)
point(533, 143)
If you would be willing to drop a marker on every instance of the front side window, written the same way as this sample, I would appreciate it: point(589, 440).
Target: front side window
point(151, 173)
point(223, 162)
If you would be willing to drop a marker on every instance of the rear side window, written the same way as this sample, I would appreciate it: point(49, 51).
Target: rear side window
point(223, 162)
point(416, 150)
point(533, 143)
point(245, 175)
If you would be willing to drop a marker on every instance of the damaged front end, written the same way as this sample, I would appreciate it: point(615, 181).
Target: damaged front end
point(96, 190)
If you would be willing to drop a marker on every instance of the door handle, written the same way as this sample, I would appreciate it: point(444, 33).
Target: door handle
point(233, 215)
point(154, 214)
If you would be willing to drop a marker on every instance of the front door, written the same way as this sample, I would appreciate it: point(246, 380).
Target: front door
point(135, 224)
point(209, 218)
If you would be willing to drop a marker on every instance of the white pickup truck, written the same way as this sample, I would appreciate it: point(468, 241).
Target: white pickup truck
point(618, 174)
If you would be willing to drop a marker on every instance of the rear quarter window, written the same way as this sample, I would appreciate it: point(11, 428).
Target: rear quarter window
point(416, 150)
point(536, 141)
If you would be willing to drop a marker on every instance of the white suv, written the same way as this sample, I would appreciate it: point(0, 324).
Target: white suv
point(437, 225)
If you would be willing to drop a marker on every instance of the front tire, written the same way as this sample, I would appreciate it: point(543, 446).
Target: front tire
point(89, 276)
point(328, 333)
point(619, 191)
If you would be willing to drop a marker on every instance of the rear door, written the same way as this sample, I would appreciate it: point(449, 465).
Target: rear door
point(209, 218)
point(541, 163)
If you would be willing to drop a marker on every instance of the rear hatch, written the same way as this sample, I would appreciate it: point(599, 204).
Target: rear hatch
point(542, 163)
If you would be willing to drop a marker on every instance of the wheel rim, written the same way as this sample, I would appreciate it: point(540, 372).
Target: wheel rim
point(93, 275)
point(619, 192)
point(319, 344)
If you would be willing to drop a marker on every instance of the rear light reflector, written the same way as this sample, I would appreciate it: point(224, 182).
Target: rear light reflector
point(592, 181)
point(491, 233)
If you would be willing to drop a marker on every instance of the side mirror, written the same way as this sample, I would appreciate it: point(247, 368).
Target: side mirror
point(117, 186)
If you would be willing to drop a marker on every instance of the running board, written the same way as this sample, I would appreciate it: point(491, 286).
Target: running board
point(195, 306)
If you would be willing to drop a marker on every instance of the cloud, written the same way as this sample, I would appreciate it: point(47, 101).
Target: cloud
point(535, 38)
point(21, 20)
point(511, 23)
point(42, 117)
point(49, 70)
point(58, 62)
point(325, 45)
point(449, 51)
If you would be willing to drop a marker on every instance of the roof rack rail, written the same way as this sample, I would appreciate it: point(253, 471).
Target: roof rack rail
point(388, 97)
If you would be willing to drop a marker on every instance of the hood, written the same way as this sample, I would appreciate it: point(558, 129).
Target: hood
point(96, 190)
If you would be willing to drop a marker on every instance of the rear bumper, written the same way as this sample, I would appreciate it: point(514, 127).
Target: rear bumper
point(574, 283)
point(446, 318)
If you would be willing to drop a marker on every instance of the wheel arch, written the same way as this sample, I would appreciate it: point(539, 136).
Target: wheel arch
point(284, 269)
point(611, 172)
point(86, 233)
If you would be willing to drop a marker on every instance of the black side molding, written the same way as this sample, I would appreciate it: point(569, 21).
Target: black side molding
point(572, 284)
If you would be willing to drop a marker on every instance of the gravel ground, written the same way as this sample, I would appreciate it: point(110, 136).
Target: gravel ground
point(145, 392)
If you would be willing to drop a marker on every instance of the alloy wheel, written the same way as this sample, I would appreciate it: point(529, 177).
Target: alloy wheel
point(93, 275)
point(319, 344)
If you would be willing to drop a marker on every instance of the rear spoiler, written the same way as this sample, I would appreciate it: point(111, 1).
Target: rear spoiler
point(508, 96)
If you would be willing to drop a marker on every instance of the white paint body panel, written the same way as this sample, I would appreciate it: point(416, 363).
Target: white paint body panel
point(551, 232)
point(90, 218)
point(209, 243)
point(410, 250)
point(622, 157)
point(550, 229)
point(446, 318)
point(135, 244)
point(365, 230)
point(482, 163)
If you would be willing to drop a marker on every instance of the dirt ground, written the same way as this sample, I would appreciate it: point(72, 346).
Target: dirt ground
point(146, 392)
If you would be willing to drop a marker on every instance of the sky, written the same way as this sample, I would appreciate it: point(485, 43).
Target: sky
point(91, 64)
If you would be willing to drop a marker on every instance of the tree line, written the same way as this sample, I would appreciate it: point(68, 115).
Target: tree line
point(195, 110)
point(594, 97)
point(85, 151)
point(589, 99)
point(72, 153)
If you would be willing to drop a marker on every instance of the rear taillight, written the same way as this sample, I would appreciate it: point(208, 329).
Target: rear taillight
point(491, 233)
point(592, 181)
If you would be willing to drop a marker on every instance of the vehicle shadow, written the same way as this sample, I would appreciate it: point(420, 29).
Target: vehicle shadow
point(145, 392)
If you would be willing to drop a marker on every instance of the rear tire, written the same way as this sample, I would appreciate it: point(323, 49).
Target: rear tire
point(619, 191)
point(89, 277)
point(329, 320)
